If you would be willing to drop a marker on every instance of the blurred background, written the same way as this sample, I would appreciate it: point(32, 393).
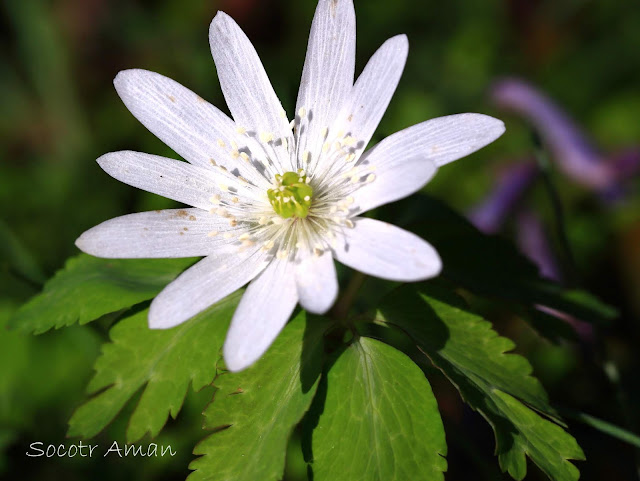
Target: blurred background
point(568, 70)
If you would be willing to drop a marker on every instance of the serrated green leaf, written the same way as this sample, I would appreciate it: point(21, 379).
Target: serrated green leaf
point(491, 381)
point(490, 265)
point(165, 361)
point(379, 420)
point(442, 328)
point(546, 443)
point(255, 411)
point(90, 287)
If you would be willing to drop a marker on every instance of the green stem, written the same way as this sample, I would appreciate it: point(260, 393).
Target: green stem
point(342, 307)
point(542, 160)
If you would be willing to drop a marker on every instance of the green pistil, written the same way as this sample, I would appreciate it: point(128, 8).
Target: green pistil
point(292, 195)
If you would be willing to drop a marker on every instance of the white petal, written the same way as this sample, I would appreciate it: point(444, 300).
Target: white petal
point(204, 284)
point(157, 234)
point(245, 85)
point(262, 313)
point(169, 178)
point(372, 92)
point(407, 160)
point(386, 251)
point(191, 126)
point(395, 178)
point(327, 77)
point(317, 283)
point(441, 140)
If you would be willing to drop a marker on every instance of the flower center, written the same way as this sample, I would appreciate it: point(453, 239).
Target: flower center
point(291, 196)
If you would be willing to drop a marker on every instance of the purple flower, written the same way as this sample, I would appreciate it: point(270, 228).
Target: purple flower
point(570, 147)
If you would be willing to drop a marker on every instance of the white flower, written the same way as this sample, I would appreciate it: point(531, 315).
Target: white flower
point(274, 202)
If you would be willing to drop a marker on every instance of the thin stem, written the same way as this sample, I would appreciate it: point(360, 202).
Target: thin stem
point(542, 160)
point(342, 307)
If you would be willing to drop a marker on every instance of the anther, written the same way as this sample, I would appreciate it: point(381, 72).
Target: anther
point(266, 137)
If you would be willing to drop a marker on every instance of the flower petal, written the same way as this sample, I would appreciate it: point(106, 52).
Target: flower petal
point(327, 77)
point(157, 234)
point(443, 139)
point(395, 178)
point(246, 87)
point(317, 283)
point(371, 94)
point(262, 313)
point(169, 178)
point(191, 126)
point(407, 160)
point(386, 251)
point(204, 284)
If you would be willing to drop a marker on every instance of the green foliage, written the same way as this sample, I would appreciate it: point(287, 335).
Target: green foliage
point(497, 384)
point(89, 287)
point(254, 412)
point(378, 419)
point(165, 361)
point(520, 431)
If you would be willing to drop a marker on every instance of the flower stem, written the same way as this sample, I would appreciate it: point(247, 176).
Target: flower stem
point(342, 307)
point(556, 205)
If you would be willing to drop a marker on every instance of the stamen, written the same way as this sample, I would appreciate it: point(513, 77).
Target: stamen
point(266, 137)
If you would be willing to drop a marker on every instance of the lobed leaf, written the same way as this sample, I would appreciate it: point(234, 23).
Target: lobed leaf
point(520, 432)
point(497, 384)
point(254, 411)
point(165, 362)
point(89, 287)
point(379, 419)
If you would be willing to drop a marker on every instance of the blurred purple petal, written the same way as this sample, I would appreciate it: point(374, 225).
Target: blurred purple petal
point(534, 243)
point(570, 147)
point(509, 190)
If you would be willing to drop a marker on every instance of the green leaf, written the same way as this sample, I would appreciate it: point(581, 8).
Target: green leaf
point(166, 361)
point(89, 287)
point(379, 420)
point(490, 265)
point(526, 433)
point(438, 322)
point(255, 411)
point(497, 384)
